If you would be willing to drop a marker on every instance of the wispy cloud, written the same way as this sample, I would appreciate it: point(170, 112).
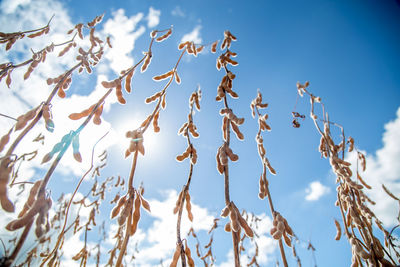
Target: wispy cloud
point(153, 18)
point(383, 167)
point(315, 191)
point(178, 12)
point(194, 35)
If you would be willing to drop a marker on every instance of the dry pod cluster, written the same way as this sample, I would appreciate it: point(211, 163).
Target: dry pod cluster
point(224, 152)
point(6, 166)
point(230, 120)
point(136, 143)
point(281, 228)
point(87, 112)
point(25, 118)
point(351, 199)
point(40, 206)
point(236, 220)
point(132, 201)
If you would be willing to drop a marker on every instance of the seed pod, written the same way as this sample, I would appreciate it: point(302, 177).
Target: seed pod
point(193, 159)
point(225, 212)
point(108, 85)
point(175, 258)
point(177, 78)
point(338, 230)
point(28, 216)
point(249, 232)
point(165, 36)
point(189, 207)
point(227, 227)
point(125, 212)
point(214, 47)
point(146, 63)
point(163, 76)
point(350, 140)
point(128, 81)
point(287, 240)
point(188, 255)
point(234, 220)
point(135, 217)
point(115, 211)
point(4, 140)
point(235, 128)
point(155, 122)
point(220, 167)
point(145, 203)
point(182, 45)
point(178, 202)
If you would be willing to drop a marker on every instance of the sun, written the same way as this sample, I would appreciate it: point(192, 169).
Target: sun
point(151, 140)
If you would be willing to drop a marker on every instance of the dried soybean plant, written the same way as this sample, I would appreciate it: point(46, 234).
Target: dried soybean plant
point(10, 38)
point(281, 228)
point(128, 208)
point(224, 151)
point(39, 201)
point(37, 58)
point(357, 218)
point(187, 129)
point(25, 122)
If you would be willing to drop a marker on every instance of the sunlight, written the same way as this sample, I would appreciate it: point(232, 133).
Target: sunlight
point(151, 140)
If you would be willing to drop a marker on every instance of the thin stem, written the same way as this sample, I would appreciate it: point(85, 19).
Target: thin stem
point(8, 117)
point(127, 234)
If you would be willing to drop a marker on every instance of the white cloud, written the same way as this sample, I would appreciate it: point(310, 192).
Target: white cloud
point(10, 6)
point(178, 12)
point(384, 168)
point(193, 36)
point(153, 18)
point(124, 33)
point(315, 191)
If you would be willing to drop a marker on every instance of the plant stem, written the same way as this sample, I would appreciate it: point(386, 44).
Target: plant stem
point(127, 234)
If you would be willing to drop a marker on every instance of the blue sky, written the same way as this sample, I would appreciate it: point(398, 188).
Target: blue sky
point(348, 50)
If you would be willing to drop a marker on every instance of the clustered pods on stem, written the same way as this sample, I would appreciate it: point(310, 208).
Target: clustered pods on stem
point(281, 227)
point(230, 120)
point(136, 136)
point(187, 129)
point(128, 73)
point(10, 38)
point(357, 218)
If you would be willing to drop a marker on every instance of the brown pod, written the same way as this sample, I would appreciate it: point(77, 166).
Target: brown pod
point(338, 230)
point(214, 47)
point(175, 258)
point(234, 220)
point(249, 232)
point(227, 227)
point(146, 63)
point(6, 204)
point(177, 78)
point(21, 123)
point(188, 255)
point(28, 216)
point(4, 140)
point(165, 36)
point(145, 204)
point(189, 206)
point(287, 240)
point(128, 82)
